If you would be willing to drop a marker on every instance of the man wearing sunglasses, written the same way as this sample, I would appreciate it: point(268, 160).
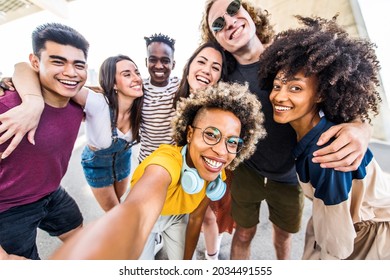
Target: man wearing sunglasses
point(244, 30)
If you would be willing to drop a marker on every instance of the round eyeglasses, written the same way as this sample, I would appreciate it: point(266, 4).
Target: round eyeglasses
point(212, 136)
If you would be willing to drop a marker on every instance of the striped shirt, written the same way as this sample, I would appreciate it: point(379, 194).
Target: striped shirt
point(157, 113)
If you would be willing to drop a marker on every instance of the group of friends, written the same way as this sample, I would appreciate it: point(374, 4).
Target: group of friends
point(255, 117)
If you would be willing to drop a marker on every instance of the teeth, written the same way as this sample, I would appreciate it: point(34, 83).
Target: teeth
point(136, 87)
point(213, 163)
point(237, 32)
point(282, 108)
point(159, 74)
point(72, 83)
point(202, 79)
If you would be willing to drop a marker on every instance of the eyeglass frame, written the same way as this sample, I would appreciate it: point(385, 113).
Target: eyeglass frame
point(240, 140)
point(222, 18)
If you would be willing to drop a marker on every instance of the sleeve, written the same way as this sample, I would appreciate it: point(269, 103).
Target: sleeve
point(170, 159)
point(332, 221)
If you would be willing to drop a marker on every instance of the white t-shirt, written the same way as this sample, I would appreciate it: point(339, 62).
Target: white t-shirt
point(98, 123)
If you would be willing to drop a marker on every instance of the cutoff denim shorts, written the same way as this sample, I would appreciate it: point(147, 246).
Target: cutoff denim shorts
point(103, 167)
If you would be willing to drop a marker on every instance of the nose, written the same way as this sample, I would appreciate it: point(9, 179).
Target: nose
point(229, 20)
point(137, 78)
point(70, 70)
point(281, 95)
point(207, 69)
point(159, 64)
point(220, 147)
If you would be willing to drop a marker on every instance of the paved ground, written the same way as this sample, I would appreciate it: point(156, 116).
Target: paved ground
point(262, 248)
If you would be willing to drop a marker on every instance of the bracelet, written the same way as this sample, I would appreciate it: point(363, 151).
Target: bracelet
point(37, 95)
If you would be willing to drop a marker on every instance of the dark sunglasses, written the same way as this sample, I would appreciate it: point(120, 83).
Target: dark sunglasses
point(231, 10)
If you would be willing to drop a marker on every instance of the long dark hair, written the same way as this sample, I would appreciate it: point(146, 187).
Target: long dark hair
point(107, 81)
point(184, 88)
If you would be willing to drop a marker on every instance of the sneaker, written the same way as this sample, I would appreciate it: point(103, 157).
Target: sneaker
point(158, 243)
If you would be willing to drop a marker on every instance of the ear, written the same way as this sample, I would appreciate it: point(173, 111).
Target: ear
point(190, 133)
point(173, 64)
point(34, 61)
point(146, 61)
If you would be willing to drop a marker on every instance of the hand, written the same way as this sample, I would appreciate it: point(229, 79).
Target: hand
point(347, 150)
point(20, 120)
point(5, 256)
point(6, 83)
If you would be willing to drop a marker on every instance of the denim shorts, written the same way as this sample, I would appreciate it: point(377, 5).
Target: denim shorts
point(56, 213)
point(103, 167)
point(285, 201)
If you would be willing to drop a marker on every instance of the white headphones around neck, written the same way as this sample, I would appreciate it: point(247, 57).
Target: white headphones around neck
point(192, 183)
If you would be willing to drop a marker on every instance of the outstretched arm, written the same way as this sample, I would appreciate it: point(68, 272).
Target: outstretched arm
point(121, 233)
point(24, 118)
point(347, 150)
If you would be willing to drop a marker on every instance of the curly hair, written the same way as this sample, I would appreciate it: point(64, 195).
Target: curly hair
point(261, 18)
point(346, 68)
point(160, 38)
point(232, 97)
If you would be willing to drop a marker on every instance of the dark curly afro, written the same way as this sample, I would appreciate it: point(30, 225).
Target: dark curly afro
point(347, 68)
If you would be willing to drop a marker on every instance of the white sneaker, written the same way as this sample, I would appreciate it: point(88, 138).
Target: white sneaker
point(158, 243)
point(214, 256)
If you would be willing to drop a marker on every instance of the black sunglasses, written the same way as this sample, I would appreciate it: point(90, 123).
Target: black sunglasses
point(231, 10)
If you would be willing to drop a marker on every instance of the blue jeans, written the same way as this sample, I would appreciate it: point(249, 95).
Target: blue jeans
point(103, 167)
point(56, 213)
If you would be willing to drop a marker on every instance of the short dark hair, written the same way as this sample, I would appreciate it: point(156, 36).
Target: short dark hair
point(58, 33)
point(160, 38)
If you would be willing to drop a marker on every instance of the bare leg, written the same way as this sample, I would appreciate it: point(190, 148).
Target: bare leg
point(210, 231)
point(282, 243)
point(241, 243)
point(121, 187)
point(106, 197)
point(67, 235)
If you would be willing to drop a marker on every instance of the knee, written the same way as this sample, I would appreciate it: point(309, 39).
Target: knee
point(245, 234)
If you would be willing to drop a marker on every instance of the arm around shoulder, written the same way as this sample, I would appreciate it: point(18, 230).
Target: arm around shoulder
point(346, 152)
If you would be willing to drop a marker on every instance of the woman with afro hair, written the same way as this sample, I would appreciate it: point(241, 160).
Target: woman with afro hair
point(320, 76)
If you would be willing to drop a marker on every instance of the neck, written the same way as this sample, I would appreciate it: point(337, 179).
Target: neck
point(54, 99)
point(303, 125)
point(250, 53)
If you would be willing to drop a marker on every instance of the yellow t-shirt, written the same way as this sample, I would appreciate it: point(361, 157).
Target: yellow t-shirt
point(177, 200)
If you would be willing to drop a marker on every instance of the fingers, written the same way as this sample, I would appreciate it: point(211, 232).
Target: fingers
point(31, 135)
point(349, 162)
point(329, 134)
point(8, 133)
point(12, 146)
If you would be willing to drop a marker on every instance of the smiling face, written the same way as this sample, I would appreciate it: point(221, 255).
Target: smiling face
point(160, 63)
point(239, 29)
point(62, 72)
point(205, 69)
point(295, 101)
point(210, 160)
point(128, 79)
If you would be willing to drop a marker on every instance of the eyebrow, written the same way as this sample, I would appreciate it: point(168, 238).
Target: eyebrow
point(65, 60)
point(129, 71)
point(205, 58)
